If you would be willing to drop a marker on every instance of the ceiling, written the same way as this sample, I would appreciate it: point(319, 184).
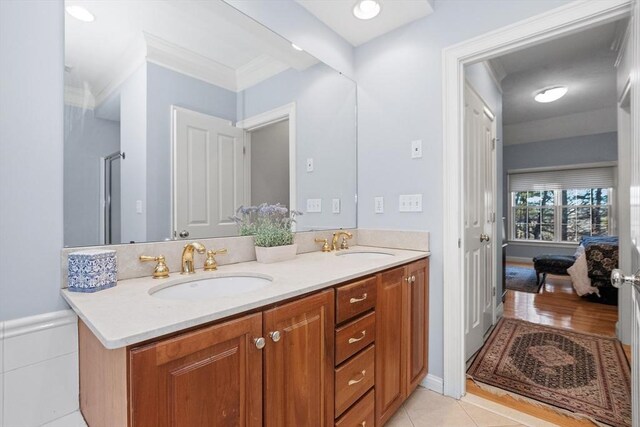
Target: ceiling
point(338, 15)
point(208, 40)
point(584, 62)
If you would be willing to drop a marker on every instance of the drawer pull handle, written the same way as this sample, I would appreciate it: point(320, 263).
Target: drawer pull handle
point(363, 373)
point(355, 300)
point(362, 335)
point(363, 424)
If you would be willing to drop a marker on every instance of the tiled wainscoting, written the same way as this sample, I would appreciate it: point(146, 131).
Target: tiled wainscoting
point(39, 369)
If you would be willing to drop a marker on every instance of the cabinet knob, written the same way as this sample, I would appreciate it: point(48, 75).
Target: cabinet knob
point(184, 234)
point(260, 343)
point(275, 336)
point(413, 279)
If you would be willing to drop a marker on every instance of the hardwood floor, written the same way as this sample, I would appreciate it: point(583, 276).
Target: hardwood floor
point(557, 305)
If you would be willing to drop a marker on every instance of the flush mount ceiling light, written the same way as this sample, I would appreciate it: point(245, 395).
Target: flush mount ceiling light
point(296, 47)
point(366, 9)
point(80, 13)
point(551, 94)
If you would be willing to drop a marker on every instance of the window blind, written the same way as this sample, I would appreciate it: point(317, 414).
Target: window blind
point(565, 179)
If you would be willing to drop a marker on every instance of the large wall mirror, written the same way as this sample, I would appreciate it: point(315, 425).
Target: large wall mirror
point(179, 112)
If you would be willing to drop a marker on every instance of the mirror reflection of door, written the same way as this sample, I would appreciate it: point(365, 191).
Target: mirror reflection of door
point(270, 164)
point(208, 174)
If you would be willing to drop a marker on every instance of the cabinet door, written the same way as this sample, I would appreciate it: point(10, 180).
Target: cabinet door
point(417, 322)
point(298, 363)
point(208, 377)
point(390, 354)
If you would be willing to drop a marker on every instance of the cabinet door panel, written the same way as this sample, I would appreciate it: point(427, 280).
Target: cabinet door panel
point(298, 377)
point(417, 324)
point(210, 377)
point(390, 352)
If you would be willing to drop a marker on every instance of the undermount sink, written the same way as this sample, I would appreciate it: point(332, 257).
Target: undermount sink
point(213, 287)
point(365, 254)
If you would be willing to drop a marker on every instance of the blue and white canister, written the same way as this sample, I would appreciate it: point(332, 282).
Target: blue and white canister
point(92, 270)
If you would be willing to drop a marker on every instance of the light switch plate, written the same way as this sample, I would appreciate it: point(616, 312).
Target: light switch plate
point(378, 203)
point(314, 205)
point(335, 206)
point(309, 164)
point(138, 206)
point(410, 203)
point(416, 149)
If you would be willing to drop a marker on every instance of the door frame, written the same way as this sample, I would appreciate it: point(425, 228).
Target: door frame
point(564, 20)
point(287, 111)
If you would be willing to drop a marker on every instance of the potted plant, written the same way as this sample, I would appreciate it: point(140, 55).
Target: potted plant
point(270, 226)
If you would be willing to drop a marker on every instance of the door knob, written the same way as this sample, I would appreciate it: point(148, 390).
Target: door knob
point(484, 237)
point(259, 342)
point(618, 278)
point(275, 336)
point(184, 234)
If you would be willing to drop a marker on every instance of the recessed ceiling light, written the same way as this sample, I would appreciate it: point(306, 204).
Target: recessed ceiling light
point(551, 94)
point(366, 9)
point(296, 47)
point(80, 13)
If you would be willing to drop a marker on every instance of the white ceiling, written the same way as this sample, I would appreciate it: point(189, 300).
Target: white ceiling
point(207, 40)
point(584, 62)
point(338, 15)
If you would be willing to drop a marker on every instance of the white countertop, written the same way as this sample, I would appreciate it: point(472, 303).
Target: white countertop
point(127, 314)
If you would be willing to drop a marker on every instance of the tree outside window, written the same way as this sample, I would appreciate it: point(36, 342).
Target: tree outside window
point(560, 215)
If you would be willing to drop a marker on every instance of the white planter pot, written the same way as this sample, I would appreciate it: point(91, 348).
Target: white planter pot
point(276, 253)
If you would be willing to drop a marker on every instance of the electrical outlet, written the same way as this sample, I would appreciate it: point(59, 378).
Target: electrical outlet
point(335, 206)
point(410, 203)
point(309, 164)
point(378, 203)
point(416, 149)
point(314, 205)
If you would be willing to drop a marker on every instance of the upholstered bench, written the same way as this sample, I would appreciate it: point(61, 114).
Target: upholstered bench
point(552, 264)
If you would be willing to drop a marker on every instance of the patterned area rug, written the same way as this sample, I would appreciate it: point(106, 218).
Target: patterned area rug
point(522, 279)
point(585, 374)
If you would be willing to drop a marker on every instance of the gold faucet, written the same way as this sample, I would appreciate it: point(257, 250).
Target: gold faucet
point(161, 271)
point(336, 236)
point(210, 263)
point(187, 256)
point(325, 244)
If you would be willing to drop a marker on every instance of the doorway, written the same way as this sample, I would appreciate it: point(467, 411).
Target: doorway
point(565, 20)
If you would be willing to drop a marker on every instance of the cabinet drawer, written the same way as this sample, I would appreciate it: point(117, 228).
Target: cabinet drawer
point(354, 336)
point(353, 379)
point(355, 298)
point(361, 414)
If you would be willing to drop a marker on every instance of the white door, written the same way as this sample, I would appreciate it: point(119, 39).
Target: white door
point(479, 139)
point(208, 174)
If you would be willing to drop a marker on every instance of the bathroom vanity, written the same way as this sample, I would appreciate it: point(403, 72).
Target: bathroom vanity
point(332, 340)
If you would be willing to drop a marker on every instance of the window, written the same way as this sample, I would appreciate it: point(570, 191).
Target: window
point(560, 215)
point(553, 205)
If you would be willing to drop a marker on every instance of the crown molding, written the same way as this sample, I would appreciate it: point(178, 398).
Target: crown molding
point(185, 61)
point(258, 70)
point(78, 97)
point(496, 72)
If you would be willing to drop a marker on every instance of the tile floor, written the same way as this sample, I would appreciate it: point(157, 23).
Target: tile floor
point(428, 408)
point(423, 408)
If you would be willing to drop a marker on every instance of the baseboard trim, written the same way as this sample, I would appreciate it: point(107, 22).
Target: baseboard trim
point(500, 310)
point(434, 383)
point(519, 259)
point(40, 322)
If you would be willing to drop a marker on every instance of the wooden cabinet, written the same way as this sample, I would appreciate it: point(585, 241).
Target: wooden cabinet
point(401, 336)
point(209, 377)
point(417, 324)
point(303, 371)
point(390, 354)
point(298, 389)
